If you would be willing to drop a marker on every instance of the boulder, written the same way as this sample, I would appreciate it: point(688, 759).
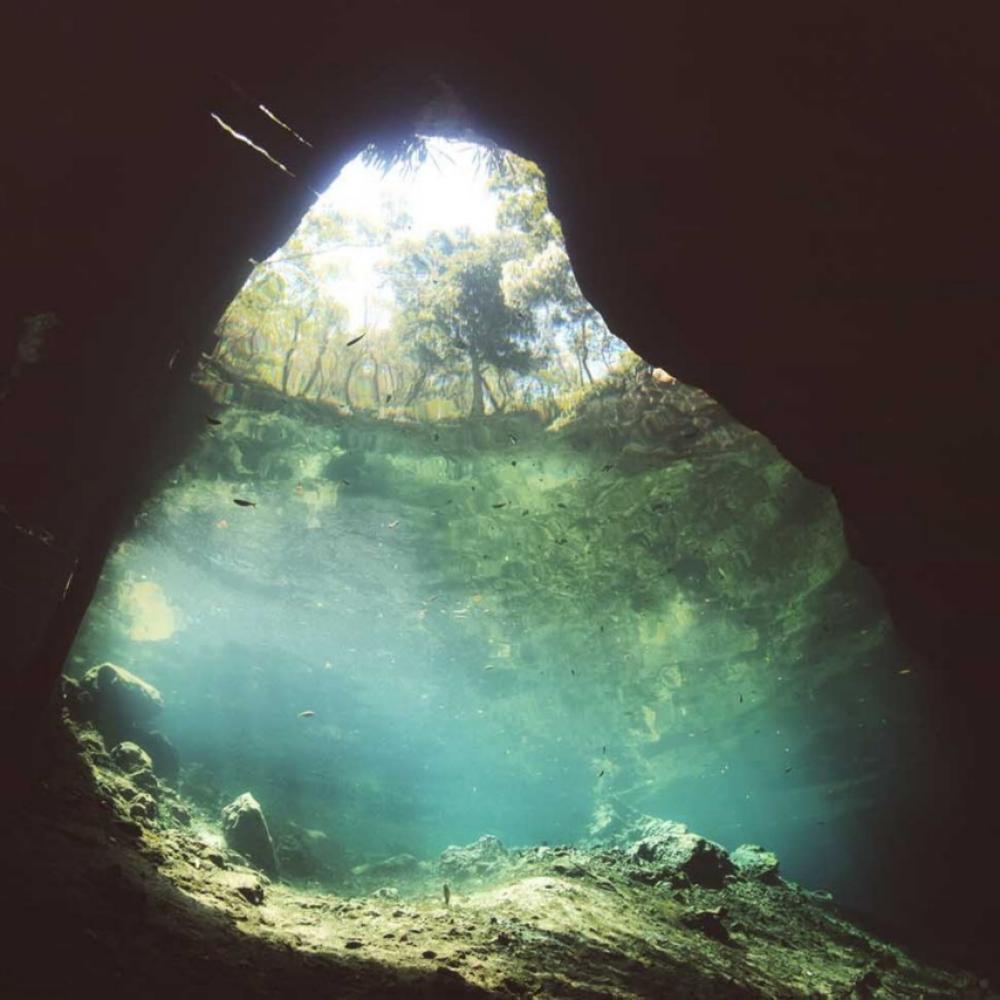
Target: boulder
point(709, 921)
point(753, 862)
point(486, 856)
point(245, 830)
point(132, 760)
point(143, 808)
point(119, 703)
point(672, 850)
point(130, 757)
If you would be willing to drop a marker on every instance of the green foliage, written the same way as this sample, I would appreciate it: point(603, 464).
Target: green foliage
point(543, 281)
point(523, 205)
point(455, 317)
point(472, 324)
point(280, 328)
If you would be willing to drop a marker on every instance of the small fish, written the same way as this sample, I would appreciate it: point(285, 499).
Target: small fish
point(904, 671)
point(604, 751)
point(608, 467)
point(497, 506)
point(446, 892)
point(243, 503)
point(393, 524)
point(307, 714)
point(345, 482)
point(741, 699)
point(561, 505)
point(436, 436)
point(787, 769)
point(561, 541)
point(299, 490)
point(464, 344)
point(222, 523)
point(525, 512)
point(388, 399)
point(213, 421)
point(512, 438)
point(360, 336)
point(601, 775)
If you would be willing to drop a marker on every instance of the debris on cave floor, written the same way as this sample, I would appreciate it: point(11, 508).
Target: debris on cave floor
point(145, 904)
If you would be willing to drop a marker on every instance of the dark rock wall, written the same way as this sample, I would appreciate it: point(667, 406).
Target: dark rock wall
point(791, 206)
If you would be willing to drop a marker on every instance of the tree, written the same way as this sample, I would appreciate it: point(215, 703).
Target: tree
point(542, 281)
point(280, 327)
point(522, 201)
point(455, 316)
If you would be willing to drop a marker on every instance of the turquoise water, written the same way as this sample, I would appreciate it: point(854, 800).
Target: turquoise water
point(523, 634)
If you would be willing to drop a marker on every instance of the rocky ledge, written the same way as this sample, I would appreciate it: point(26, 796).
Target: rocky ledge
point(157, 907)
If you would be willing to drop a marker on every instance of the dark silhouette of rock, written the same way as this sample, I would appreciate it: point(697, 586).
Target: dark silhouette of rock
point(245, 830)
point(118, 702)
point(670, 849)
point(130, 757)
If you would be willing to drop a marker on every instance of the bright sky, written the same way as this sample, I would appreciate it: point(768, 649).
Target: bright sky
point(448, 191)
point(445, 192)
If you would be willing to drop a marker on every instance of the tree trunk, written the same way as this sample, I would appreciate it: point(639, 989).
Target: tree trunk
point(583, 353)
point(287, 367)
point(347, 384)
point(498, 408)
point(318, 366)
point(418, 387)
point(478, 409)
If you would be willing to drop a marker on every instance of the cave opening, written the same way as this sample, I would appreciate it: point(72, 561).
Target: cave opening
point(450, 566)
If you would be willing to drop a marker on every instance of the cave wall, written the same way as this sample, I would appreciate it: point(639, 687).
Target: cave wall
point(792, 207)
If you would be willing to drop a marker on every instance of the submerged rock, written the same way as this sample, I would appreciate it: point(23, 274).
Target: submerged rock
point(670, 849)
point(132, 760)
point(119, 698)
point(143, 808)
point(753, 862)
point(708, 921)
point(486, 856)
point(130, 757)
point(245, 830)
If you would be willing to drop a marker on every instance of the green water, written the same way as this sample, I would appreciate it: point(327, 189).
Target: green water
point(514, 629)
